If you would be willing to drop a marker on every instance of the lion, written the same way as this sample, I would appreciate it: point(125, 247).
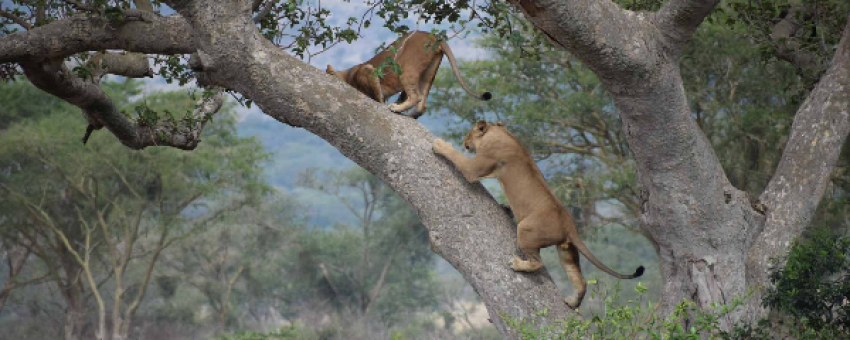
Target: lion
point(419, 55)
point(542, 220)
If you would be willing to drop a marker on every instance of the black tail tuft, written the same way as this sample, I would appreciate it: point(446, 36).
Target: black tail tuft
point(638, 272)
point(486, 96)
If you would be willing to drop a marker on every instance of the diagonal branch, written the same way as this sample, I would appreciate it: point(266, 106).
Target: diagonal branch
point(54, 78)
point(677, 20)
point(624, 47)
point(373, 294)
point(156, 35)
point(820, 129)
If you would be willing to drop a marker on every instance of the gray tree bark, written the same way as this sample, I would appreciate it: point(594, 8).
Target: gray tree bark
point(713, 245)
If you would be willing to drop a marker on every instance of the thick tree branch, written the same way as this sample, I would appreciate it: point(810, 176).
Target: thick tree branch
point(132, 65)
point(614, 43)
point(820, 129)
point(159, 35)
point(687, 205)
point(677, 20)
point(56, 79)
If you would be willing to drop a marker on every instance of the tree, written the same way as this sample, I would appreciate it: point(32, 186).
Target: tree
point(383, 254)
point(231, 257)
point(100, 220)
point(713, 243)
point(743, 99)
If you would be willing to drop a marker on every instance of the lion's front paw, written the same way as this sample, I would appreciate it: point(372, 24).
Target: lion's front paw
point(516, 264)
point(441, 147)
point(573, 302)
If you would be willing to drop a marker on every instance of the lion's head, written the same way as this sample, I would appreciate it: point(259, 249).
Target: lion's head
point(476, 134)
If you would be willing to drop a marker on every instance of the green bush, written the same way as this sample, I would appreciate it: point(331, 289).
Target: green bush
point(636, 319)
point(810, 293)
point(814, 285)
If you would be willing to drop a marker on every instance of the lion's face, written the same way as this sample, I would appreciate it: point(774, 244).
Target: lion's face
point(476, 134)
point(470, 142)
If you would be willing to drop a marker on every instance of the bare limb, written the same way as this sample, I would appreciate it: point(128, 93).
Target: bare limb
point(373, 294)
point(820, 129)
point(56, 79)
point(160, 35)
point(328, 278)
point(624, 45)
point(677, 20)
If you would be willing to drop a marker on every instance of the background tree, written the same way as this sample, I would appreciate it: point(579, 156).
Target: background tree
point(93, 215)
point(382, 263)
point(229, 260)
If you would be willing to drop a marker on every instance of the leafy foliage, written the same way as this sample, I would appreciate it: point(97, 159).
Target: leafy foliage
point(636, 319)
point(814, 285)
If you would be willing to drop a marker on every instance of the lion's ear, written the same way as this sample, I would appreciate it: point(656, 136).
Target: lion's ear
point(330, 70)
point(499, 123)
point(481, 126)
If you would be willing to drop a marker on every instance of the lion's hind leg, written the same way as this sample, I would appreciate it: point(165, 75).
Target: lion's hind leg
point(425, 82)
point(531, 236)
point(568, 256)
point(412, 96)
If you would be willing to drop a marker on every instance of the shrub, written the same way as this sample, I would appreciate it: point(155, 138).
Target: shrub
point(637, 319)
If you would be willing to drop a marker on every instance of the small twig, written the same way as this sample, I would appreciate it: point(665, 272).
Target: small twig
point(16, 19)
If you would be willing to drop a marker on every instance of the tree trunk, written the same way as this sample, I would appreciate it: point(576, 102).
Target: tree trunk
point(74, 321)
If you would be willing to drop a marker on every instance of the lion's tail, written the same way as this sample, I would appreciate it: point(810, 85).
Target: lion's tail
point(576, 241)
point(448, 51)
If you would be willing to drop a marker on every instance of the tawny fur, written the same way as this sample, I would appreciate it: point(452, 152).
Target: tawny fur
point(542, 220)
point(419, 55)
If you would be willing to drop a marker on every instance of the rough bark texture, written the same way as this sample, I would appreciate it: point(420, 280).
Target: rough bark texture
point(705, 229)
point(161, 35)
point(820, 128)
